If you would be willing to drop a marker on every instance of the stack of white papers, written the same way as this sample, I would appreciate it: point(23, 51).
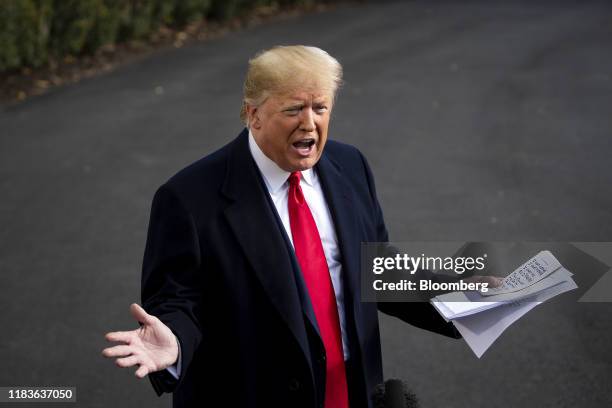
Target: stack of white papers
point(481, 317)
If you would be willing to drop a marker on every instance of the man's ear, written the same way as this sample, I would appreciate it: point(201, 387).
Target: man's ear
point(253, 115)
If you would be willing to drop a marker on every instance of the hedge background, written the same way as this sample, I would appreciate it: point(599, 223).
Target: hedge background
point(32, 31)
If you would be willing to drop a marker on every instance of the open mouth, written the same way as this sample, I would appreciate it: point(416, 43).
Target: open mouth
point(304, 146)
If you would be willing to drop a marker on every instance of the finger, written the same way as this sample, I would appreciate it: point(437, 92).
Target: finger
point(141, 372)
point(493, 281)
point(118, 351)
point(127, 361)
point(123, 336)
point(140, 314)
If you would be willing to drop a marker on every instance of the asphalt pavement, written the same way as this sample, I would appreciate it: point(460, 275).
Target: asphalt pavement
point(481, 121)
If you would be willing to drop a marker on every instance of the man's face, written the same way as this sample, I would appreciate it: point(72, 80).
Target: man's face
point(292, 130)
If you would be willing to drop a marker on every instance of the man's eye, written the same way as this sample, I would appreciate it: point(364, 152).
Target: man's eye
point(321, 109)
point(292, 111)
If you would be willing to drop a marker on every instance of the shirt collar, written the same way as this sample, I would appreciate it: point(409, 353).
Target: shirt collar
point(274, 176)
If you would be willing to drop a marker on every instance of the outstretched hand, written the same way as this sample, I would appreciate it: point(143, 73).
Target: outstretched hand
point(153, 346)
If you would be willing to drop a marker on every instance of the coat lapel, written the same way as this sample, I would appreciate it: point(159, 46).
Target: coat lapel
point(338, 194)
point(258, 233)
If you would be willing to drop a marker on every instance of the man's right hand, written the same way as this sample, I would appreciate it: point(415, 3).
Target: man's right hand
point(153, 346)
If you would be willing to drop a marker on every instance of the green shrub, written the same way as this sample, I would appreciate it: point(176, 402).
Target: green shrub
point(225, 9)
point(105, 29)
point(140, 21)
point(33, 30)
point(24, 33)
point(71, 24)
point(9, 51)
point(163, 11)
point(188, 11)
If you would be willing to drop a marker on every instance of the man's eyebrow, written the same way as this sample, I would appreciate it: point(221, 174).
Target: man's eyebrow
point(294, 106)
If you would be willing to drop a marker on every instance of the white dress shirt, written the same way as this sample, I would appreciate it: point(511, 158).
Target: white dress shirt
point(276, 180)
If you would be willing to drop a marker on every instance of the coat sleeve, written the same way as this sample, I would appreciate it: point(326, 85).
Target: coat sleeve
point(171, 284)
point(419, 314)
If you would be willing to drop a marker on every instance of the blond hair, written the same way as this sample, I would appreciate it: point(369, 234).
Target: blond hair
point(284, 69)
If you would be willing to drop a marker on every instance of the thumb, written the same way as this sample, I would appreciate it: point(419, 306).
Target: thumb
point(140, 314)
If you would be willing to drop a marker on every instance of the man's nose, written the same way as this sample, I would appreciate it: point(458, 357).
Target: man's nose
point(308, 124)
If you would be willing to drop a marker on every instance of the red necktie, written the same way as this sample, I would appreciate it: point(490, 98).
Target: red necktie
point(310, 256)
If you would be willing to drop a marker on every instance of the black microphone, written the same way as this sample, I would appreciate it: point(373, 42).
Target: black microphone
point(394, 394)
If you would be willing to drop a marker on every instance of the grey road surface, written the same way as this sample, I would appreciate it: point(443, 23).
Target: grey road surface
point(481, 121)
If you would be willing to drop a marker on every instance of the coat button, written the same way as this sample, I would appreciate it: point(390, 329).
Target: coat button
point(321, 359)
point(294, 385)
